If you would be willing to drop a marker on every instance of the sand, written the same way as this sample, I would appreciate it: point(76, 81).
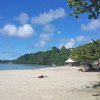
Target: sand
point(61, 83)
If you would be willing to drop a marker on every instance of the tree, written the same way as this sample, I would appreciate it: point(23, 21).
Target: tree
point(87, 52)
point(53, 56)
point(92, 7)
point(55, 50)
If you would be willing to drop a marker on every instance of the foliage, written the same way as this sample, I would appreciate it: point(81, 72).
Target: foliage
point(92, 7)
point(4, 61)
point(87, 52)
point(54, 56)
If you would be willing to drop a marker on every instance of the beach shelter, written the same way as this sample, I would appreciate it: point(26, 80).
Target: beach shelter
point(69, 61)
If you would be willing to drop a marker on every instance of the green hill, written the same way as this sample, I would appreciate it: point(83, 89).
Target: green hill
point(54, 56)
point(85, 53)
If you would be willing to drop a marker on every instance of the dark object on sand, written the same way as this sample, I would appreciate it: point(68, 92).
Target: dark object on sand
point(96, 95)
point(81, 70)
point(42, 76)
point(86, 67)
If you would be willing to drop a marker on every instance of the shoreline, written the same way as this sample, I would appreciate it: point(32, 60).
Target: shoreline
point(41, 68)
point(61, 83)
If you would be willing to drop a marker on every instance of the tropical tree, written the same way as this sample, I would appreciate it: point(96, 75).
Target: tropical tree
point(87, 52)
point(92, 7)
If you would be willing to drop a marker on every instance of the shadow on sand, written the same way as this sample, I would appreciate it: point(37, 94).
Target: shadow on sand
point(96, 85)
point(96, 88)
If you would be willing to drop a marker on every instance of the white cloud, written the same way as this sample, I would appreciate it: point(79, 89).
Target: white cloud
point(23, 31)
point(61, 45)
point(93, 25)
point(80, 38)
point(43, 40)
point(45, 36)
point(47, 17)
point(23, 18)
point(49, 28)
point(41, 43)
point(10, 30)
point(70, 43)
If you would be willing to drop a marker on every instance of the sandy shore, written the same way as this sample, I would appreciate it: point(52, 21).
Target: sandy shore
point(61, 83)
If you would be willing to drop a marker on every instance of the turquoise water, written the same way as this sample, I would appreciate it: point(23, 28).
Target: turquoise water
point(19, 66)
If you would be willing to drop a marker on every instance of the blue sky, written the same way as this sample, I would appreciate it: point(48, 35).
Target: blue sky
point(28, 26)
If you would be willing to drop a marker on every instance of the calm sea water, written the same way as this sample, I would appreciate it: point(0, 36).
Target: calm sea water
point(19, 66)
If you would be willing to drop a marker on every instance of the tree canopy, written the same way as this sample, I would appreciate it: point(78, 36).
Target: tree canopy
point(84, 53)
point(91, 7)
point(88, 52)
point(53, 56)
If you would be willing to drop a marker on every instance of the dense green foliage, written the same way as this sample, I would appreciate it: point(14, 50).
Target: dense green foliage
point(87, 52)
point(54, 56)
point(4, 61)
point(91, 7)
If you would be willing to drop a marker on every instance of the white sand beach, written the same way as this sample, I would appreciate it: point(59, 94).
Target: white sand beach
point(61, 83)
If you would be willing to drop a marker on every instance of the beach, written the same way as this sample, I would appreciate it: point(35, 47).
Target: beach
point(60, 83)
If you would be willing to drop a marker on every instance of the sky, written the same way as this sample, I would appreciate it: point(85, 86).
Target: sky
point(29, 26)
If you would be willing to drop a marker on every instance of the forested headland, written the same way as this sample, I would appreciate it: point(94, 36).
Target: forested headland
point(53, 56)
point(84, 53)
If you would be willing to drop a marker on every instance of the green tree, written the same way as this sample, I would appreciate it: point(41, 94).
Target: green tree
point(87, 52)
point(53, 56)
point(91, 7)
